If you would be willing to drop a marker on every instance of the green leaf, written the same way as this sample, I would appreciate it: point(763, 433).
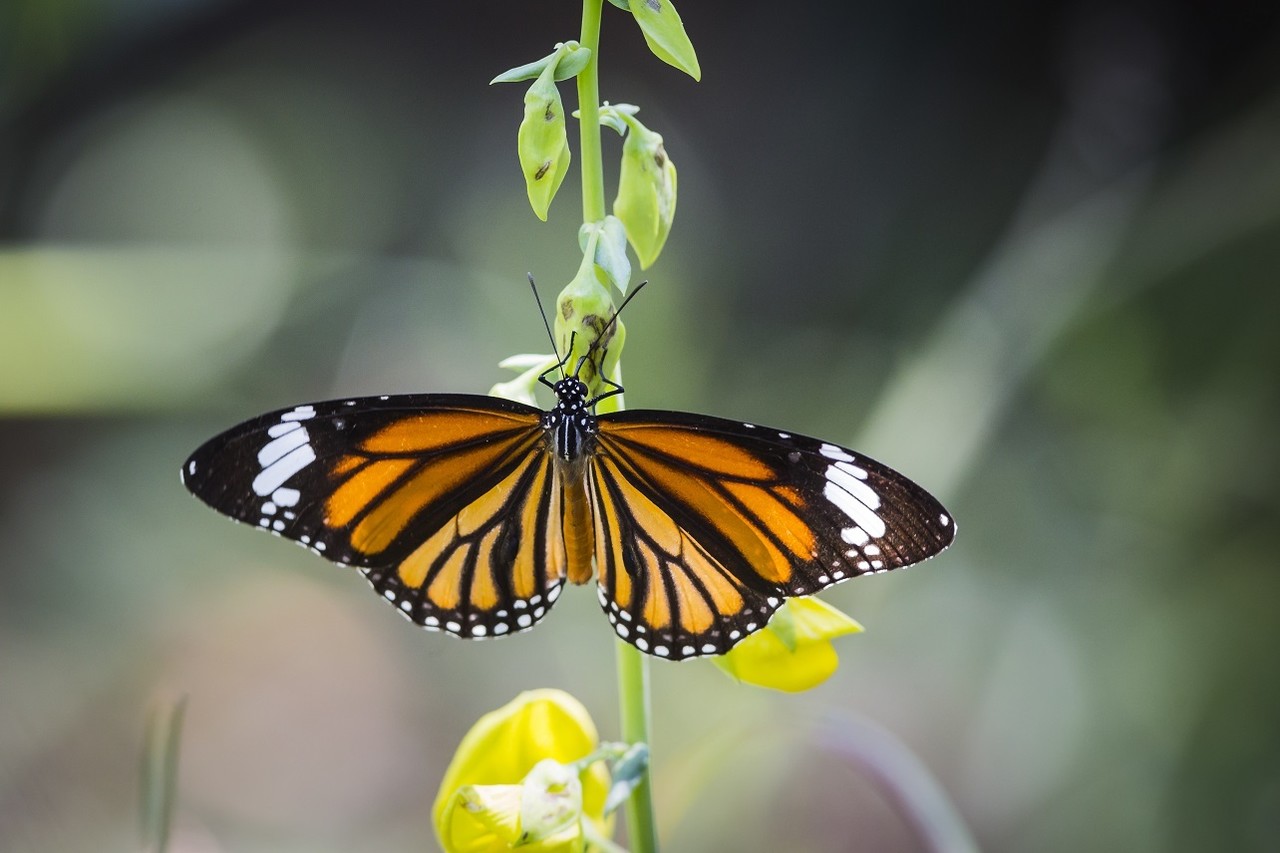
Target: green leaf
point(160, 771)
point(621, 4)
point(627, 773)
point(611, 249)
point(574, 60)
point(569, 58)
point(664, 32)
point(543, 142)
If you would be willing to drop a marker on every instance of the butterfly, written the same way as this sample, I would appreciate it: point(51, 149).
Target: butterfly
point(469, 513)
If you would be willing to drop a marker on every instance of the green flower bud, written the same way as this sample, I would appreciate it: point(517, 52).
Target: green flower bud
point(583, 331)
point(646, 201)
point(543, 142)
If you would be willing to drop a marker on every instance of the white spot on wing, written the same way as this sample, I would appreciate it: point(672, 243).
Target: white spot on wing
point(277, 430)
point(851, 484)
point(860, 473)
point(274, 475)
point(278, 447)
point(285, 496)
point(855, 509)
point(832, 452)
point(855, 536)
point(301, 413)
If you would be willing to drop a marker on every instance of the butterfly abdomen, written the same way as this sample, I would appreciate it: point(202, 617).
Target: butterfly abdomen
point(579, 541)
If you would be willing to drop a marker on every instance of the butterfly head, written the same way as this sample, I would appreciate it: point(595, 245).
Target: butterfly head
point(571, 394)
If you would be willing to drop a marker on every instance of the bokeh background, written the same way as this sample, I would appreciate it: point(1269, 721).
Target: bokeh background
point(1026, 253)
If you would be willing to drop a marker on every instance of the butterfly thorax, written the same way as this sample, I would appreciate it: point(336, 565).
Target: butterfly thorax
point(570, 424)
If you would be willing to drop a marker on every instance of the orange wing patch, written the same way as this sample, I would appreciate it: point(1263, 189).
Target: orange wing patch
point(692, 448)
point(385, 496)
point(432, 431)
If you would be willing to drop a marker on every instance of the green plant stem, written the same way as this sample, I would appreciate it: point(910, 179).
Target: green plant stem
point(589, 112)
point(633, 668)
point(633, 699)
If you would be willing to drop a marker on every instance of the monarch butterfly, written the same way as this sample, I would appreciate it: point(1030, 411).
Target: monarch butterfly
point(468, 513)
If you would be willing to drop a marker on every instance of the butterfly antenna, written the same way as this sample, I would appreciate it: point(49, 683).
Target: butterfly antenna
point(614, 318)
point(547, 325)
point(605, 331)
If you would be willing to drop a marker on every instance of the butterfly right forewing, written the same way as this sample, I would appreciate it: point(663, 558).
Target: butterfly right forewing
point(753, 515)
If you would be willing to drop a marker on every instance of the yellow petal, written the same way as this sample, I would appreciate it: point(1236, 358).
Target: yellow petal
point(552, 802)
point(484, 818)
point(496, 818)
point(793, 652)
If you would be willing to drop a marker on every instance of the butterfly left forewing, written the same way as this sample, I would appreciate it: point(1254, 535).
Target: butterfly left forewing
point(445, 502)
point(774, 514)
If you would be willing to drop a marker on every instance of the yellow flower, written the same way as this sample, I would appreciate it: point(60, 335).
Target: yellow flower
point(508, 784)
point(793, 652)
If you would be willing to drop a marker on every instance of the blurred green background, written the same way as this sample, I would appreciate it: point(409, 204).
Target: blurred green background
point(1026, 253)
